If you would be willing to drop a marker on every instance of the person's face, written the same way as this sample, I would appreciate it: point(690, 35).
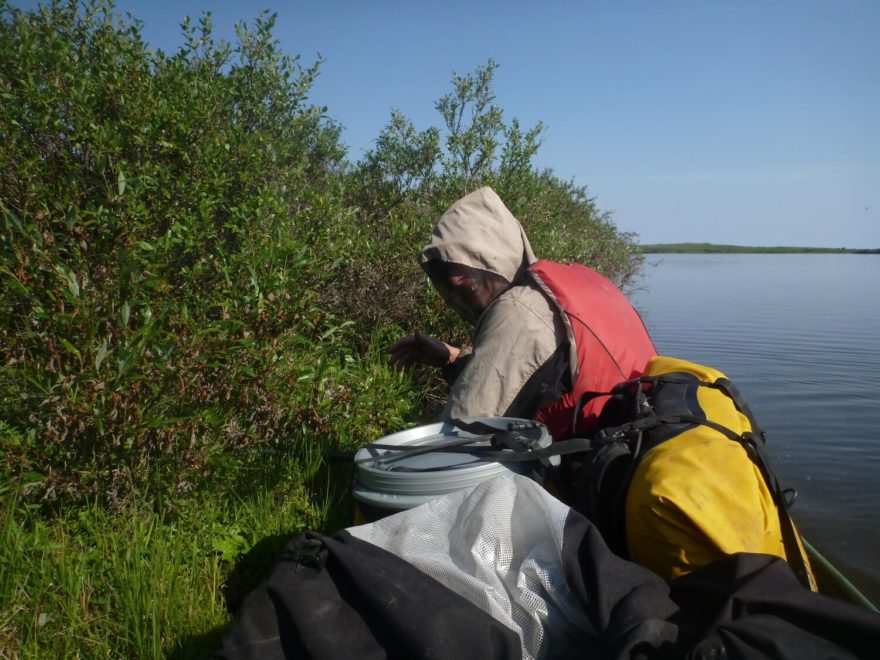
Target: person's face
point(465, 291)
point(473, 290)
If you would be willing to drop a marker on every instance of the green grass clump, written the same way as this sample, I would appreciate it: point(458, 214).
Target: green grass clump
point(134, 583)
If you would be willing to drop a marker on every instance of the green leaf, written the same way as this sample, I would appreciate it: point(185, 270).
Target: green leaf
point(123, 366)
point(332, 331)
point(231, 544)
point(70, 277)
point(125, 313)
point(13, 281)
point(120, 183)
point(100, 355)
point(70, 347)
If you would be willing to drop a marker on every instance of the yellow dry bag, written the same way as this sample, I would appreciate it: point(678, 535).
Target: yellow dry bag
point(679, 476)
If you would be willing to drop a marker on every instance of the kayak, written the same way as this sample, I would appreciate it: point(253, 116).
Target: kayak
point(832, 582)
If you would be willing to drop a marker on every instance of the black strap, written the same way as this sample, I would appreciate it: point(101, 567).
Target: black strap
point(618, 518)
point(512, 455)
point(481, 428)
point(519, 437)
point(406, 451)
point(793, 552)
point(730, 389)
point(583, 399)
point(561, 448)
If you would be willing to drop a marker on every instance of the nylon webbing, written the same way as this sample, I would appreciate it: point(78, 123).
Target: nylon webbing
point(519, 438)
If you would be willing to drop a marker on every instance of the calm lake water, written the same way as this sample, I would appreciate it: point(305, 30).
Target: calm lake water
point(800, 336)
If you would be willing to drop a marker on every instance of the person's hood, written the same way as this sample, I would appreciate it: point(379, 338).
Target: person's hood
point(479, 231)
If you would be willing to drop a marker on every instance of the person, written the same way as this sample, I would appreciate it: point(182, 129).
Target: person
point(547, 336)
point(544, 332)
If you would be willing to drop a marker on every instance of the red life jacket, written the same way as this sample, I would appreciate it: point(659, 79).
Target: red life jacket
point(610, 342)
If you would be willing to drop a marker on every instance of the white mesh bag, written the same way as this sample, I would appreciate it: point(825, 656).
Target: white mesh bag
point(498, 545)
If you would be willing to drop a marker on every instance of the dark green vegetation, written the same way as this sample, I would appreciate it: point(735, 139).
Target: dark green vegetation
point(709, 248)
point(197, 291)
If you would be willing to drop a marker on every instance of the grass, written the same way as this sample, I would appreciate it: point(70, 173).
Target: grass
point(140, 583)
point(160, 573)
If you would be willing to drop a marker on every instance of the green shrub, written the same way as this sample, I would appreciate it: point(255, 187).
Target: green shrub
point(167, 221)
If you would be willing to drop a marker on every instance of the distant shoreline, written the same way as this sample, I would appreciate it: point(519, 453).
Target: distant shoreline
point(709, 248)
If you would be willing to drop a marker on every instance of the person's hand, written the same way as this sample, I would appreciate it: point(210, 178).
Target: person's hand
point(422, 349)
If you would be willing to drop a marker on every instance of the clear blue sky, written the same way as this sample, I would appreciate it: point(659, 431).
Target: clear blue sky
point(748, 122)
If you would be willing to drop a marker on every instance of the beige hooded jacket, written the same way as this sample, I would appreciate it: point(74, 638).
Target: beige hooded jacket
point(519, 330)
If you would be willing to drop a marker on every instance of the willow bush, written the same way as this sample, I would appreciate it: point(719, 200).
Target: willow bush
point(167, 223)
point(193, 273)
